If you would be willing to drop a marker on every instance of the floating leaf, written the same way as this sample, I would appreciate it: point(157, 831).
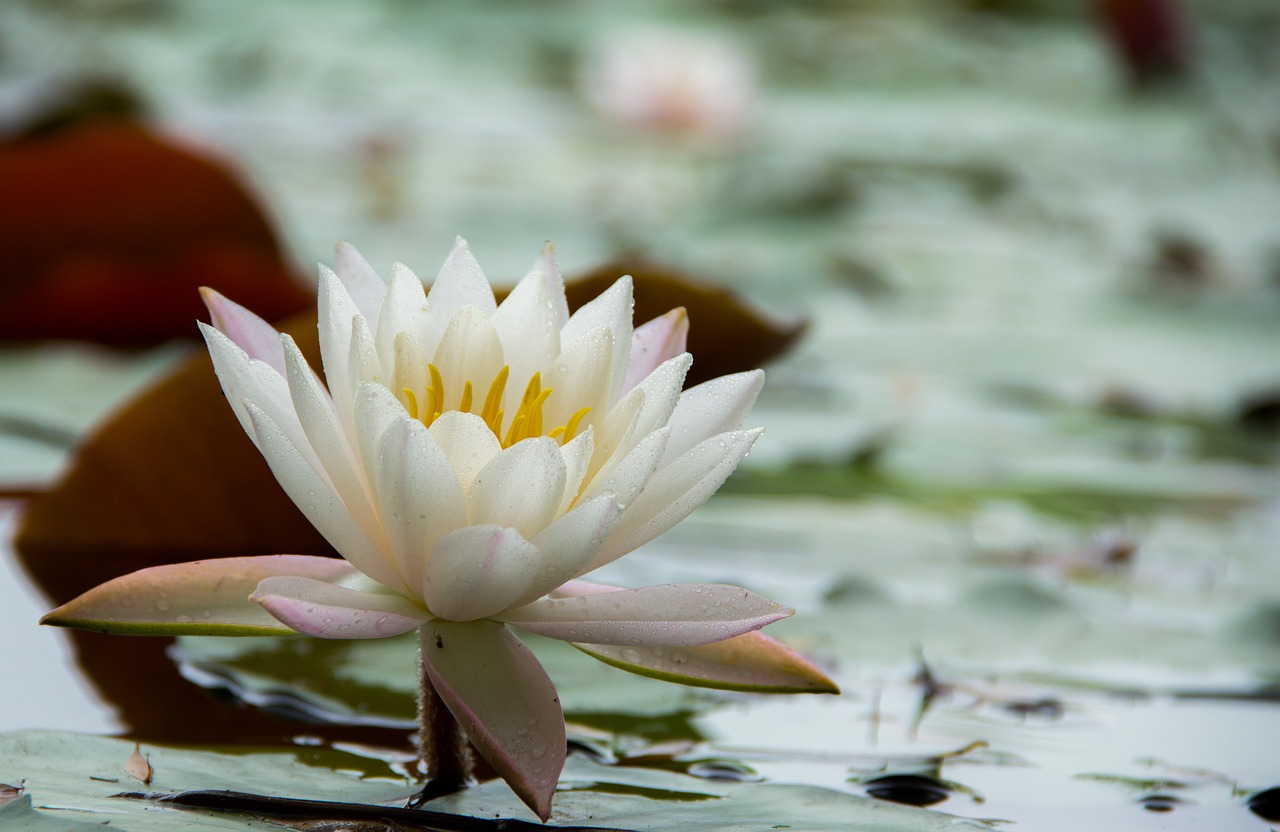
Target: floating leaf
point(61, 771)
point(108, 230)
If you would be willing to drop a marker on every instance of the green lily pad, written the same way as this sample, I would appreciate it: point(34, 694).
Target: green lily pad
point(71, 781)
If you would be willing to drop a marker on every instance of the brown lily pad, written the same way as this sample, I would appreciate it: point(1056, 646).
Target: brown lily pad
point(726, 334)
point(109, 229)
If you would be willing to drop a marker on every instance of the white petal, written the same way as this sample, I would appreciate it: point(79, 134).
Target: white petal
point(337, 312)
point(478, 571)
point(661, 392)
point(250, 333)
point(569, 544)
point(459, 283)
point(521, 487)
point(713, 407)
point(330, 444)
point(577, 460)
point(546, 266)
point(468, 443)
point(530, 334)
point(675, 490)
point(652, 343)
point(403, 308)
point(363, 363)
point(611, 309)
point(375, 411)
point(316, 499)
point(470, 351)
point(245, 379)
point(419, 495)
point(362, 282)
point(325, 610)
point(626, 476)
point(495, 688)
point(411, 372)
point(669, 615)
point(580, 378)
point(616, 434)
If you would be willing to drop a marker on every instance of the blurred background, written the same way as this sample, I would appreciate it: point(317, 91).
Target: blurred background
point(1031, 429)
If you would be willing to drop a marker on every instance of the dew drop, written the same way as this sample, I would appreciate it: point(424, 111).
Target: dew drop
point(162, 605)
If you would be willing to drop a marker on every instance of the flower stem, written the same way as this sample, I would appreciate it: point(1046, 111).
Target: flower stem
point(443, 750)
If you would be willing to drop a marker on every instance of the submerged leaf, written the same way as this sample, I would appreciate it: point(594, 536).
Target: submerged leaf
point(108, 230)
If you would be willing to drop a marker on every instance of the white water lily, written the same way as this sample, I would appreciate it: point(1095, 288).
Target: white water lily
point(470, 461)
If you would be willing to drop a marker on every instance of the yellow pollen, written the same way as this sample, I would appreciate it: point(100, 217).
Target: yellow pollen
point(525, 423)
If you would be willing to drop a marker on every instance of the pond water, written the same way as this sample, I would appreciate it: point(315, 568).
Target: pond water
point(1019, 478)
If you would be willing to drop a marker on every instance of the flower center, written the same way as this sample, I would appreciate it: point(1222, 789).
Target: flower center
point(525, 423)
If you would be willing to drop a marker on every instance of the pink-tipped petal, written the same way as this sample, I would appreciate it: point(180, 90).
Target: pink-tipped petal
point(363, 284)
point(653, 343)
point(204, 597)
point(246, 379)
point(752, 662)
point(252, 334)
point(495, 688)
point(478, 571)
point(666, 615)
point(327, 610)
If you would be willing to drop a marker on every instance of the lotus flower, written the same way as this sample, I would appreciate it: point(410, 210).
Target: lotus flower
point(470, 461)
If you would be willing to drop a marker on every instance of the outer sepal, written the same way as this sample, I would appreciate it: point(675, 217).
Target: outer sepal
point(751, 663)
point(201, 598)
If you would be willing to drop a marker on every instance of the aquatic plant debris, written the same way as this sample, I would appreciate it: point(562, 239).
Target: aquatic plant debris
point(471, 460)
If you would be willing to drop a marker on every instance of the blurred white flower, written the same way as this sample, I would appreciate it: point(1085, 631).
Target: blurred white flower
point(672, 81)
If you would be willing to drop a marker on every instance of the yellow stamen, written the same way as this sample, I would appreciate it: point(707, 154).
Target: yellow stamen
point(576, 419)
point(435, 393)
point(413, 402)
point(465, 404)
point(492, 413)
